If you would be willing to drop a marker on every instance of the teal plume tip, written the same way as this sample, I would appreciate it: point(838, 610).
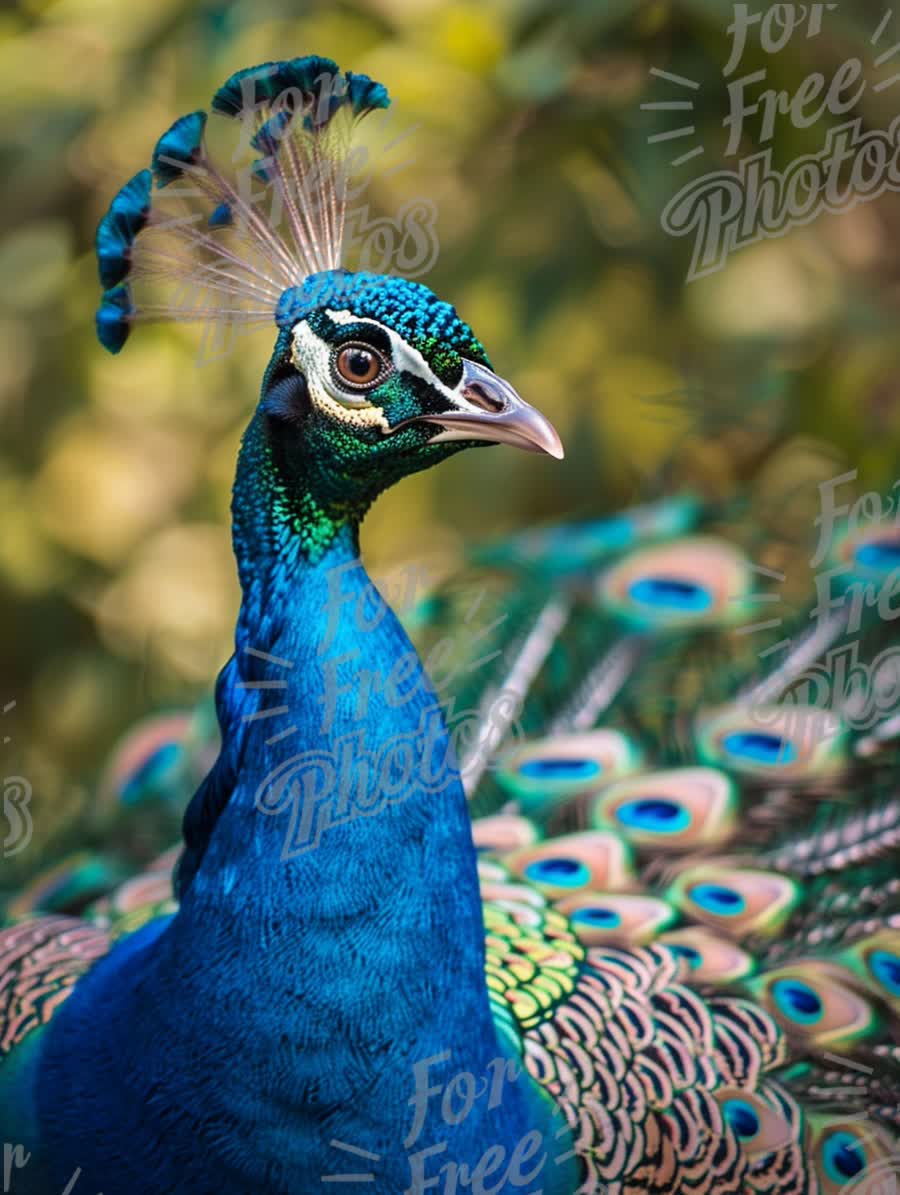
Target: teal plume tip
point(270, 79)
point(312, 76)
point(178, 147)
point(114, 318)
point(127, 216)
point(365, 94)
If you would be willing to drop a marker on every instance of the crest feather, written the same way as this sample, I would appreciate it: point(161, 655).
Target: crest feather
point(226, 242)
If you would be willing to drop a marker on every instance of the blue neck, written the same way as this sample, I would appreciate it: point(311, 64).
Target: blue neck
point(327, 959)
point(356, 911)
point(317, 855)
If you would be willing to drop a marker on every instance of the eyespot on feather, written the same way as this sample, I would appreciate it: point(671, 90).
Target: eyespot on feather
point(712, 958)
point(677, 809)
point(572, 547)
point(735, 901)
point(542, 771)
point(869, 554)
point(790, 743)
point(852, 1157)
point(810, 1002)
point(144, 759)
point(67, 886)
point(574, 862)
point(692, 582)
point(502, 833)
point(875, 960)
point(759, 1128)
point(611, 919)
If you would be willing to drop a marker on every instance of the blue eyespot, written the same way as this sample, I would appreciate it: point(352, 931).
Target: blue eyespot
point(758, 747)
point(670, 593)
point(560, 769)
point(879, 553)
point(844, 1157)
point(694, 957)
point(797, 1001)
point(742, 1117)
point(718, 899)
point(654, 813)
point(886, 969)
point(565, 873)
point(597, 917)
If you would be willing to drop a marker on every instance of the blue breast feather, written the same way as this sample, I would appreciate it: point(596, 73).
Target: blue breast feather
point(275, 965)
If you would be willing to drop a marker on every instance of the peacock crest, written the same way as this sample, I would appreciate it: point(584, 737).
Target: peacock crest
point(237, 211)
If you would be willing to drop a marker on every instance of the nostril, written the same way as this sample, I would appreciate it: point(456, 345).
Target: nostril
point(481, 397)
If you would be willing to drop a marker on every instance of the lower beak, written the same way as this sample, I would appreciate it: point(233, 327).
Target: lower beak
point(489, 409)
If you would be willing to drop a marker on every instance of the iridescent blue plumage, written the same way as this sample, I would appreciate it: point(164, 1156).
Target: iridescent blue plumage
point(270, 80)
point(180, 146)
point(117, 231)
point(426, 321)
point(114, 317)
point(254, 922)
point(337, 967)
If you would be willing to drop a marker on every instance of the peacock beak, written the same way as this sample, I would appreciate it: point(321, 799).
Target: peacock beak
point(487, 408)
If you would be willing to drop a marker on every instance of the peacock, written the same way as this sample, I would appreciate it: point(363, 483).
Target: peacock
point(623, 916)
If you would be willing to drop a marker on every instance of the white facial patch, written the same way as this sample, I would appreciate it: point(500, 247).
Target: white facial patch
point(312, 357)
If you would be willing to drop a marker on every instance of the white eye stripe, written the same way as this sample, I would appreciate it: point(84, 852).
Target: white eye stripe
point(405, 357)
point(312, 356)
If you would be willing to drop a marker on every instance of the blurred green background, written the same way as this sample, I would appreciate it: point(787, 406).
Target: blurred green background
point(116, 573)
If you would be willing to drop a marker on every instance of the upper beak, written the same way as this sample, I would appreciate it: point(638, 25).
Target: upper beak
point(489, 409)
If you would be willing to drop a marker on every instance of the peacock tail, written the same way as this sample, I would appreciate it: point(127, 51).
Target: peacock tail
point(725, 858)
point(682, 925)
point(692, 929)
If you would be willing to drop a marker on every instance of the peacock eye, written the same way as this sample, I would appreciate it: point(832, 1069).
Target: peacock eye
point(359, 366)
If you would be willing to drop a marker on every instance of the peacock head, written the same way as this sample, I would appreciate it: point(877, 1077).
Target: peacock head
point(377, 377)
point(373, 376)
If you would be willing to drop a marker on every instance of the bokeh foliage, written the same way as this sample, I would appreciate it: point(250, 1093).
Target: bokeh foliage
point(115, 566)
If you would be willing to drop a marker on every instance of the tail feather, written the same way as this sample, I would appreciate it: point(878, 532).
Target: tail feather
point(842, 838)
point(684, 828)
point(688, 784)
